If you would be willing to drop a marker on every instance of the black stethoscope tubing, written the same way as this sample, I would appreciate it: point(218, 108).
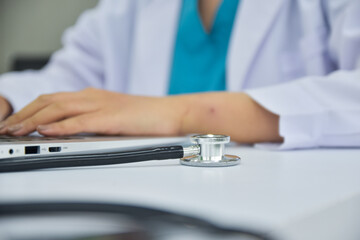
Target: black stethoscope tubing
point(93, 159)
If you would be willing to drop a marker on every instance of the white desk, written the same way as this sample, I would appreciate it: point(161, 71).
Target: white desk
point(310, 194)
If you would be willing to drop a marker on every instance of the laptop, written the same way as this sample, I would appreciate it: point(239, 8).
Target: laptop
point(30, 147)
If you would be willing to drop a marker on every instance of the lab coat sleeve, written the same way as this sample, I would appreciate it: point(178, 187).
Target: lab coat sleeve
point(76, 66)
point(321, 111)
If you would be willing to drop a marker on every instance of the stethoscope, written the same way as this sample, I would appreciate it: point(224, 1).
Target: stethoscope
point(206, 151)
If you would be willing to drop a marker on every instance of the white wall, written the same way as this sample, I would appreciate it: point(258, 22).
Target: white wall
point(34, 27)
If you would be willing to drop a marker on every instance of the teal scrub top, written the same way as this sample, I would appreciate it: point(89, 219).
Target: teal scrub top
point(199, 57)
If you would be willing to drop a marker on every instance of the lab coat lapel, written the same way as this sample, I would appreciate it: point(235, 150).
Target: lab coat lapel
point(254, 19)
point(154, 37)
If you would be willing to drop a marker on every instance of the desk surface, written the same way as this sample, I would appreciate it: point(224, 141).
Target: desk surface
point(308, 194)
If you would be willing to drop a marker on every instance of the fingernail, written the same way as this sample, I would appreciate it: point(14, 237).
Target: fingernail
point(15, 128)
point(43, 128)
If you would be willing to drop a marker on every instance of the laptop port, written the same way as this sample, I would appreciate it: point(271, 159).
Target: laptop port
point(54, 149)
point(32, 150)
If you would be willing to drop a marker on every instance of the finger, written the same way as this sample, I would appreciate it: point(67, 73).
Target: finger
point(38, 104)
point(85, 123)
point(2, 128)
point(51, 113)
point(5, 110)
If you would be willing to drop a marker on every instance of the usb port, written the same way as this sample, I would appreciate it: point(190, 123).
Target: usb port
point(32, 150)
point(54, 149)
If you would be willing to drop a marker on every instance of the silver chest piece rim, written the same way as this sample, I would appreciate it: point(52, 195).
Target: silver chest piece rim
point(211, 152)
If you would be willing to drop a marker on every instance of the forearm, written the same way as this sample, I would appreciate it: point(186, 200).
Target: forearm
point(94, 111)
point(233, 114)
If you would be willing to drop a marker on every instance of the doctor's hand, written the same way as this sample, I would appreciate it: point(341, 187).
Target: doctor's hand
point(110, 113)
point(95, 111)
point(5, 108)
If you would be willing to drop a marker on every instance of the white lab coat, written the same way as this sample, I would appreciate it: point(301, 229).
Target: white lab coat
point(298, 58)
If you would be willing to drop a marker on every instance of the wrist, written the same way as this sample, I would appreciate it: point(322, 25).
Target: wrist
point(197, 113)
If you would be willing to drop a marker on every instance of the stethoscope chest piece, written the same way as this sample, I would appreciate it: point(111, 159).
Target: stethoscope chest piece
point(211, 152)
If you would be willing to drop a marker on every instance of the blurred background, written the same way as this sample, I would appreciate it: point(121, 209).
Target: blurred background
point(30, 30)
